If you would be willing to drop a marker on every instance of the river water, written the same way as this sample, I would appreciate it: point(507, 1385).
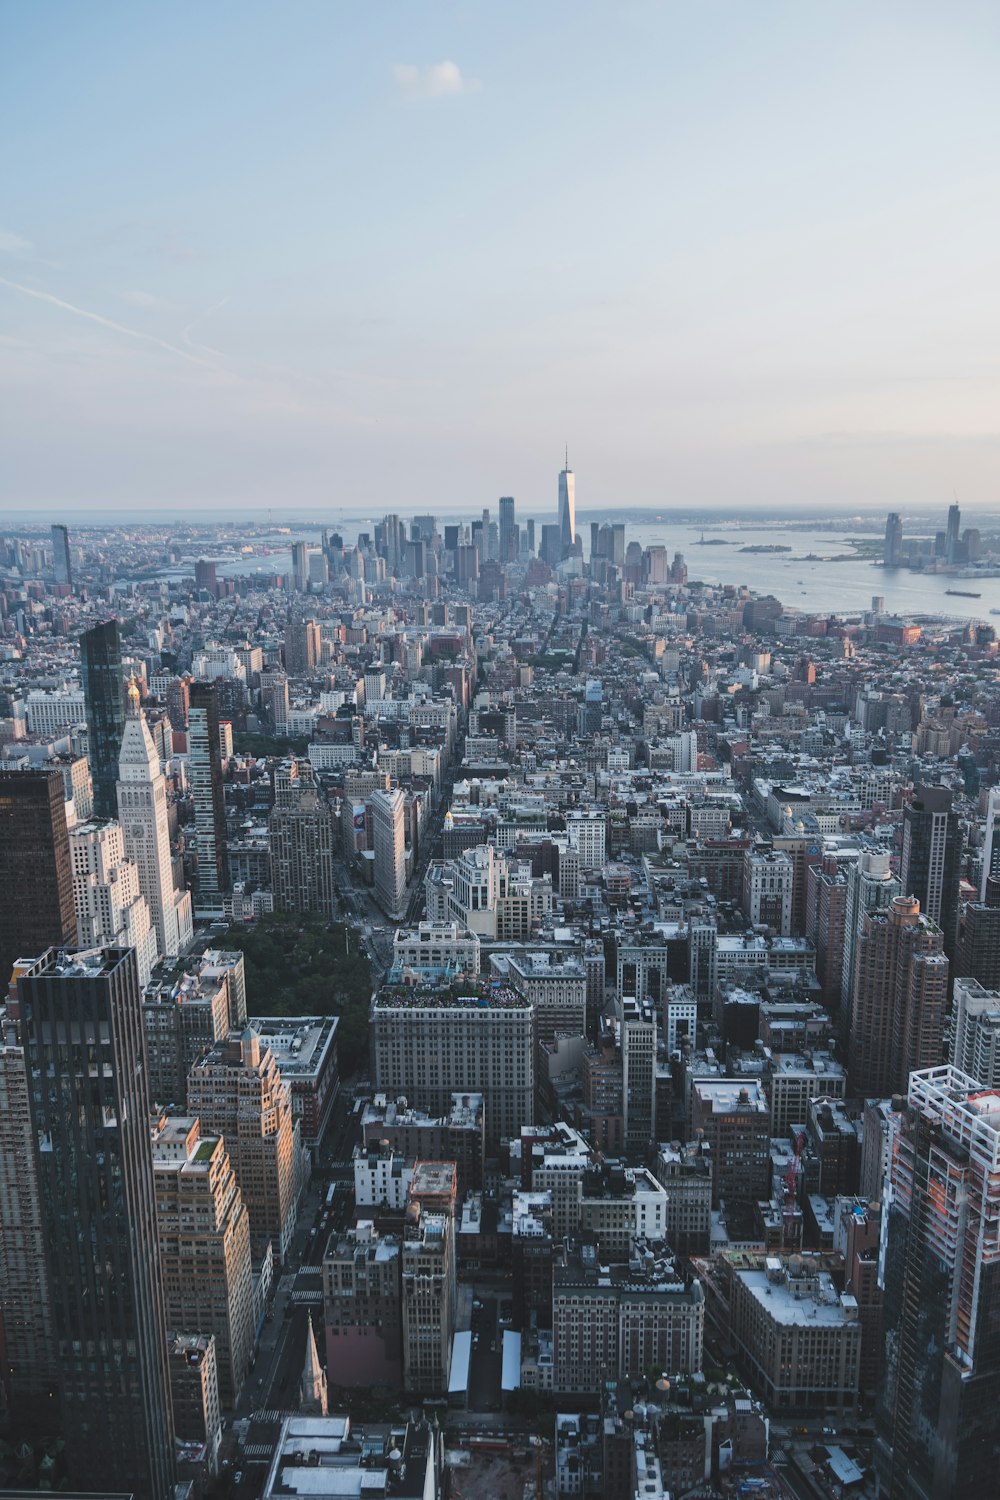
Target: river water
point(845, 587)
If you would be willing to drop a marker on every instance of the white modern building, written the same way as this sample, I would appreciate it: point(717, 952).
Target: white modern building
point(48, 713)
point(769, 880)
point(382, 1177)
point(975, 1032)
point(587, 833)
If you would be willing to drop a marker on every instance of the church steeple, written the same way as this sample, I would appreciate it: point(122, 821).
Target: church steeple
point(312, 1386)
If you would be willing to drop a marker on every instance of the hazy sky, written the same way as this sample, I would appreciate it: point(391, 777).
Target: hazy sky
point(393, 255)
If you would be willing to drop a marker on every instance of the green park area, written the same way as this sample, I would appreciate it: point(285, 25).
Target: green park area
point(300, 964)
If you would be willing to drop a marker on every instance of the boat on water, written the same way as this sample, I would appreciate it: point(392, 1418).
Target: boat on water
point(963, 593)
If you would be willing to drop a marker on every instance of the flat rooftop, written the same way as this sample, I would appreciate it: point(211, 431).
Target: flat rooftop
point(728, 1095)
point(791, 1305)
point(363, 1239)
point(544, 965)
point(299, 1043)
point(83, 963)
point(466, 1113)
point(730, 944)
point(818, 1064)
point(435, 1177)
point(190, 979)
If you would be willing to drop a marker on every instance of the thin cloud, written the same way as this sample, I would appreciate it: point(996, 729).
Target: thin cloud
point(434, 81)
point(13, 244)
point(201, 318)
point(92, 317)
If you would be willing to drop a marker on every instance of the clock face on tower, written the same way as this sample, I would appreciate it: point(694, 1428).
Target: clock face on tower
point(138, 831)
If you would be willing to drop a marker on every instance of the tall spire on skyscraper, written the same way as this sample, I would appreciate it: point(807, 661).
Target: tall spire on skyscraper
point(567, 508)
point(142, 812)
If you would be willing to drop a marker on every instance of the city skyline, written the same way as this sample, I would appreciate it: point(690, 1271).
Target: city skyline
point(499, 985)
point(417, 261)
point(564, 997)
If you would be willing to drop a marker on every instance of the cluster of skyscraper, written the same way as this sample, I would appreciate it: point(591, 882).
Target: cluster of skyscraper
point(125, 848)
point(90, 1284)
point(690, 1019)
point(953, 546)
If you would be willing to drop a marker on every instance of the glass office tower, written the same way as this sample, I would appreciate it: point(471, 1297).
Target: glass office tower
point(104, 695)
point(80, 1023)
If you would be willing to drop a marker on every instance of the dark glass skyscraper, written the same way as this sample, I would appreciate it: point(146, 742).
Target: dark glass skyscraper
point(567, 508)
point(36, 874)
point(205, 761)
point(81, 1027)
point(893, 540)
point(508, 551)
point(931, 865)
point(977, 953)
point(104, 694)
point(60, 553)
point(205, 579)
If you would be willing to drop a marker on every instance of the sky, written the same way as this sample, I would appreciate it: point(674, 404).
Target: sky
point(396, 255)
